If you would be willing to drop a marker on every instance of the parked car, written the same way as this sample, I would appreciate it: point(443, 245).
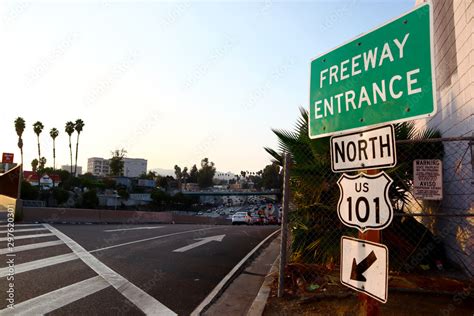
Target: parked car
point(241, 218)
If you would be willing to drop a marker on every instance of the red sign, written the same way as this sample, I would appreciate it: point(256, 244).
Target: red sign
point(7, 158)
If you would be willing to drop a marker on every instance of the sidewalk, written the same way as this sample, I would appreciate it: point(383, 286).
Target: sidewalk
point(242, 297)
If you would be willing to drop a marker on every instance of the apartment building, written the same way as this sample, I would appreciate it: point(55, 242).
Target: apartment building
point(132, 167)
point(98, 166)
point(68, 168)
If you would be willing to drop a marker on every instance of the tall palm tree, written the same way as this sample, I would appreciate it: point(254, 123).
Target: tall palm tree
point(54, 133)
point(38, 128)
point(20, 128)
point(79, 125)
point(69, 129)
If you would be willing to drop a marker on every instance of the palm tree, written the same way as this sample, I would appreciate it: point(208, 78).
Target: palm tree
point(79, 125)
point(315, 192)
point(38, 128)
point(20, 128)
point(42, 164)
point(69, 129)
point(54, 133)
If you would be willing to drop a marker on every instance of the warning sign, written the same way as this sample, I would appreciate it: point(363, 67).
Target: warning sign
point(428, 179)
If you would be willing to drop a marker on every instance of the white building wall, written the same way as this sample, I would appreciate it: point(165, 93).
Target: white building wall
point(68, 168)
point(453, 27)
point(134, 167)
point(98, 166)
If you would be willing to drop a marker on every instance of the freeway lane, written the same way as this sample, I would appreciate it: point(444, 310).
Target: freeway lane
point(143, 259)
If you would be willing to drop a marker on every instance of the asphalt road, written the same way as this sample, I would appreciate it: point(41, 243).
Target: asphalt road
point(119, 269)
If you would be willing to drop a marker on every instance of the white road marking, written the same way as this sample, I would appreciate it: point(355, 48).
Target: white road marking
point(137, 228)
point(26, 236)
point(23, 230)
point(151, 238)
point(51, 301)
point(31, 246)
point(202, 241)
point(141, 299)
point(38, 264)
point(197, 311)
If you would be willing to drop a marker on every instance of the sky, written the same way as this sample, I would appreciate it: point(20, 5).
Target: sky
point(171, 82)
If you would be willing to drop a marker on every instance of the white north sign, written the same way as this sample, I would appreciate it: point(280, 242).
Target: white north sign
point(364, 267)
point(364, 203)
point(369, 149)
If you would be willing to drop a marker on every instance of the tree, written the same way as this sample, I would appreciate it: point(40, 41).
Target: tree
point(206, 173)
point(28, 192)
point(78, 126)
point(41, 165)
point(185, 175)
point(34, 164)
point(60, 195)
point(163, 182)
point(271, 178)
point(54, 133)
point(69, 129)
point(177, 172)
point(151, 175)
point(193, 175)
point(159, 197)
point(20, 128)
point(116, 162)
point(90, 199)
point(38, 128)
point(179, 175)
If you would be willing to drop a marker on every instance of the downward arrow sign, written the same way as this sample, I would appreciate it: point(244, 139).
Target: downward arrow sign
point(200, 243)
point(358, 269)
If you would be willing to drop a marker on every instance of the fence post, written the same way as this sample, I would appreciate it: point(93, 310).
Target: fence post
point(284, 223)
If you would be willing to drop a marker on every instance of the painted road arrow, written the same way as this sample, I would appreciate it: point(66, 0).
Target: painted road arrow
point(358, 269)
point(201, 242)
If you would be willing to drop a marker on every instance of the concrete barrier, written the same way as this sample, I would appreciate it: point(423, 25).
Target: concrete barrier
point(69, 215)
point(8, 204)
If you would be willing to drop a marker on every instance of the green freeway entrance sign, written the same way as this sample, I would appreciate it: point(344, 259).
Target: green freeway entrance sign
point(382, 76)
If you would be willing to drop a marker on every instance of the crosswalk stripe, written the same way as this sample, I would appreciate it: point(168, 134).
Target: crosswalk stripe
point(142, 300)
point(51, 301)
point(31, 246)
point(23, 230)
point(27, 236)
point(38, 264)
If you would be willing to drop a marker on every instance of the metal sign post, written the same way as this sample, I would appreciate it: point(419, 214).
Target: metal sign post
point(370, 306)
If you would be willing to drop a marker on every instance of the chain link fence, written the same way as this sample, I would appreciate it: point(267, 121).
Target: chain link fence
point(426, 239)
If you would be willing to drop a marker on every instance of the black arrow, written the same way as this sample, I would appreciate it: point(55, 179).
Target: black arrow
point(358, 269)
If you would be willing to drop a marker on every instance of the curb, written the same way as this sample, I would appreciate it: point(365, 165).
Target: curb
point(230, 277)
point(260, 301)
